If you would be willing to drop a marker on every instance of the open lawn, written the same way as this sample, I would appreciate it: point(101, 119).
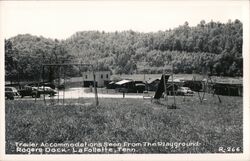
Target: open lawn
point(211, 124)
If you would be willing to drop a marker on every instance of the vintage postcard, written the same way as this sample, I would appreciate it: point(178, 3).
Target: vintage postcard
point(125, 80)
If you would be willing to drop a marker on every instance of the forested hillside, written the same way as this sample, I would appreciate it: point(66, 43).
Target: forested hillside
point(211, 47)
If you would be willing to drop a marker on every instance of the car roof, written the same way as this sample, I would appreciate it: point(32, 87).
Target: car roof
point(11, 87)
point(185, 87)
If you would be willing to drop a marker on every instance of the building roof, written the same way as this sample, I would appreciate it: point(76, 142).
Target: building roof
point(97, 72)
point(152, 80)
point(140, 84)
point(111, 82)
point(179, 80)
point(124, 81)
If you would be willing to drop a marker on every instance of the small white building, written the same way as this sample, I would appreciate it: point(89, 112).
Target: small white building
point(102, 78)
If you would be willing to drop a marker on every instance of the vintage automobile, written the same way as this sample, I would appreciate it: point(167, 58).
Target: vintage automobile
point(136, 88)
point(29, 91)
point(11, 93)
point(45, 90)
point(36, 91)
point(130, 86)
point(184, 91)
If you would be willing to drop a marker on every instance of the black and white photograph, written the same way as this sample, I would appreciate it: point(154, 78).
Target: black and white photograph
point(116, 80)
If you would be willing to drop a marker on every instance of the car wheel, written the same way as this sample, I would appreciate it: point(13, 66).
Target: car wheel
point(33, 95)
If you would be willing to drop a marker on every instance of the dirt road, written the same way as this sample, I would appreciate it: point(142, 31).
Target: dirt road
point(74, 93)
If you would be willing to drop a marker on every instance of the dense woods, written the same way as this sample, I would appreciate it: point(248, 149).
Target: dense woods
point(214, 48)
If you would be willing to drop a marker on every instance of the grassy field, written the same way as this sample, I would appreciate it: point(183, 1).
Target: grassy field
point(211, 124)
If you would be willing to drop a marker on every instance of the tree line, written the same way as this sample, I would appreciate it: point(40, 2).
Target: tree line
point(214, 48)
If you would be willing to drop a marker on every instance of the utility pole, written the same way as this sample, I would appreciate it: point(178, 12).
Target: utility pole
point(165, 85)
point(95, 89)
point(59, 74)
point(144, 77)
point(173, 84)
point(44, 100)
point(64, 85)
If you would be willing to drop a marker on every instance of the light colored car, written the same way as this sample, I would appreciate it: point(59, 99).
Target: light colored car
point(184, 91)
point(46, 90)
point(11, 93)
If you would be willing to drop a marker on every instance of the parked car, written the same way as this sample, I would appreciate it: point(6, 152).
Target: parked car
point(11, 93)
point(140, 87)
point(47, 84)
point(137, 88)
point(61, 87)
point(29, 91)
point(36, 91)
point(184, 91)
point(45, 90)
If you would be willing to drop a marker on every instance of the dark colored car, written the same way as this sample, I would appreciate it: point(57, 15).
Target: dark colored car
point(36, 91)
point(11, 93)
point(196, 86)
point(29, 91)
point(136, 88)
point(140, 87)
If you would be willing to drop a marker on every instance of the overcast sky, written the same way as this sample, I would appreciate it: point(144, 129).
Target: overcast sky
point(61, 19)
